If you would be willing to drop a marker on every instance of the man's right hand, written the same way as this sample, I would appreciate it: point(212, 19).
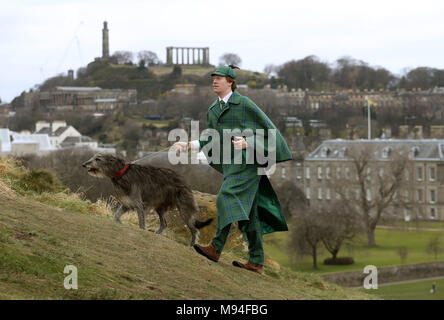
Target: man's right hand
point(182, 146)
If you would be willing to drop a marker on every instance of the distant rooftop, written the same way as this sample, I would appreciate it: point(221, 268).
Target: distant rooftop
point(106, 100)
point(78, 88)
point(417, 149)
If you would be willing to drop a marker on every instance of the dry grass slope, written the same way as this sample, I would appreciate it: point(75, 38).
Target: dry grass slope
point(42, 233)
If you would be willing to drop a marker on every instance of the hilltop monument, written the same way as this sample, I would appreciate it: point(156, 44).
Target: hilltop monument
point(188, 56)
point(105, 41)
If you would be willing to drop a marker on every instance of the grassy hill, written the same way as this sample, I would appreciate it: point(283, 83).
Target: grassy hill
point(43, 231)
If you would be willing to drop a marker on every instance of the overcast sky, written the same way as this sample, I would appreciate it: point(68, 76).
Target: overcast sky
point(40, 39)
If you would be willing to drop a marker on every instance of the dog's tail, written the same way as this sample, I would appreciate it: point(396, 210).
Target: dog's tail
point(200, 224)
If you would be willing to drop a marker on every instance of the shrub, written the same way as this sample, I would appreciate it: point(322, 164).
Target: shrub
point(40, 180)
point(339, 261)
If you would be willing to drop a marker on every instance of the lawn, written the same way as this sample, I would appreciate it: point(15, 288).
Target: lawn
point(410, 291)
point(384, 254)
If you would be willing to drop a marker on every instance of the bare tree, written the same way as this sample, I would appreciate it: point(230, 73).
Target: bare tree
point(122, 57)
point(340, 225)
point(230, 58)
point(306, 233)
point(271, 69)
point(402, 252)
point(434, 246)
point(290, 197)
point(372, 187)
point(150, 58)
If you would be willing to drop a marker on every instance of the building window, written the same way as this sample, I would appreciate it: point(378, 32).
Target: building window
point(419, 173)
point(381, 172)
point(369, 194)
point(357, 194)
point(307, 173)
point(298, 173)
point(320, 193)
point(327, 172)
point(307, 193)
point(283, 173)
point(319, 173)
point(347, 173)
point(338, 173)
point(432, 213)
point(369, 173)
point(432, 196)
point(327, 194)
point(406, 215)
point(419, 195)
point(432, 174)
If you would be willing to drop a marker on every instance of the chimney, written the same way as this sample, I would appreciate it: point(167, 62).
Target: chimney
point(71, 74)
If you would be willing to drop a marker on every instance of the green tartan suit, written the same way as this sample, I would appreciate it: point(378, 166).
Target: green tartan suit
point(246, 196)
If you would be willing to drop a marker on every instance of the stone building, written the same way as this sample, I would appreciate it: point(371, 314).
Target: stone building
point(423, 187)
point(85, 99)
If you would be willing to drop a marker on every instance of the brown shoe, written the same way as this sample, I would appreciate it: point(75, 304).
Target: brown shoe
point(249, 266)
point(208, 251)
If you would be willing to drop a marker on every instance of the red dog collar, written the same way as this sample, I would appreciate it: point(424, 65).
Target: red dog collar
point(118, 174)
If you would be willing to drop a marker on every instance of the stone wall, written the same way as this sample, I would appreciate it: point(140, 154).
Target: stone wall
point(388, 274)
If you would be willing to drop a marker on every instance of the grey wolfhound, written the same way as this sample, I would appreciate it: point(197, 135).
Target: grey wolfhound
point(146, 187)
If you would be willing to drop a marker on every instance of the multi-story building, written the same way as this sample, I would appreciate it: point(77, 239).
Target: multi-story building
point(332, 167)
point(93, 99)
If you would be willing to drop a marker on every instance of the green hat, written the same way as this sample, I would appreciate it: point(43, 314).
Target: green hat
point(225, 71)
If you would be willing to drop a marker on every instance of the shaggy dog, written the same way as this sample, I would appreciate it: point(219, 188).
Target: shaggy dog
point(142, 188)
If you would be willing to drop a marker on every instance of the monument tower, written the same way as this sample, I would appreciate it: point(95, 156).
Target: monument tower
point(105, 41)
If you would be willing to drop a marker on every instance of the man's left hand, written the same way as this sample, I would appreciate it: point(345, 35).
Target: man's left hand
point(240, 143)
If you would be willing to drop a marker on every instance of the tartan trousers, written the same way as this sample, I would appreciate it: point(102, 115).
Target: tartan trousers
point(252, 231)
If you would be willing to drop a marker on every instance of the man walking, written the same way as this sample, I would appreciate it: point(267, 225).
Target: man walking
point(245, 196)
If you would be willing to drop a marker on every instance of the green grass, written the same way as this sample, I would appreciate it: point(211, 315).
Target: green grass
point(384, 254)
point(41, 233)
point(410, 291)
point(123, 262)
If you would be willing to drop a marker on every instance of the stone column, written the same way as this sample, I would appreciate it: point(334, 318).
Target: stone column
point(105, 41)
point(169, 55)
point(188, 55)
point(198, 56)
point(177, 55)
point(183, 60)
point(194, 61)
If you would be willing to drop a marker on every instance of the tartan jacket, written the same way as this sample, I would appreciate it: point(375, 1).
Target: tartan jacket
point(243, 188)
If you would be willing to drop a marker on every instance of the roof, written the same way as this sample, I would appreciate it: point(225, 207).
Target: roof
point(42, 139)
point(78, 88)
point(5, 145)
point(106, 100)
point(417, 149)
point(46, 130)
point(59, 131)
point(70, 141)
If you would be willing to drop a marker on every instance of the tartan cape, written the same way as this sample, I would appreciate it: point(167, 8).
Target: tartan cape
point(242, 184)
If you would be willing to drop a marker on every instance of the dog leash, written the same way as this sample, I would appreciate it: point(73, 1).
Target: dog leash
point(151, 155)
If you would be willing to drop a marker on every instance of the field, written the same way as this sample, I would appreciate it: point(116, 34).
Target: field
point(384, 254)
point(410, 291)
